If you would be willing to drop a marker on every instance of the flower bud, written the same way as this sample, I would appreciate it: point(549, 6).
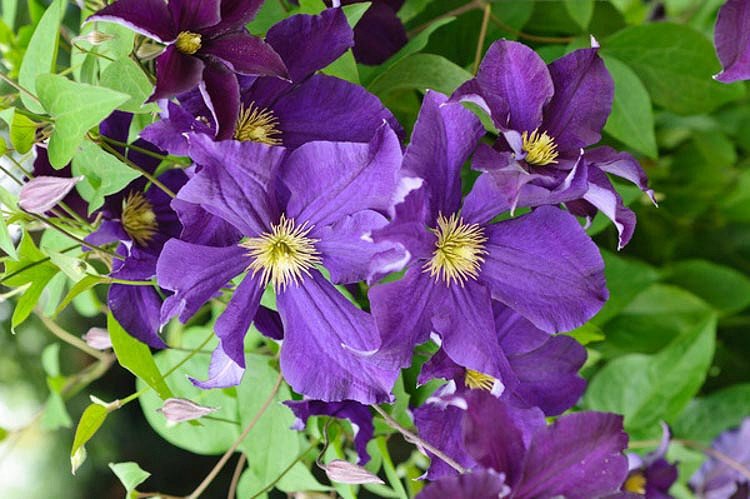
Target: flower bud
point(98, 338)
point(41, 194)
point(95, 37)
point(178, 410)
point(345, 472)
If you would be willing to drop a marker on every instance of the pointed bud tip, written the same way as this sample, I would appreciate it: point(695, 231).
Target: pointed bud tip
point(41, 194)
point(345, 472)
point(97, 338)
point(176, 410)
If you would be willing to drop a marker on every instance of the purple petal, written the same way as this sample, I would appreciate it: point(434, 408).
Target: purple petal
point(327, 108)
point(584, 92)
point(732, 40)
point(439, 424)
point(269, 323)
point(222, 372)
point(147, 17)
point(482, 484)
point(235, 183)
point(359, 415)
point(233, 323)
point(443, 138)
point(41, 194)
point(309, 43)
point(440, 366)
point(717, 479)
point(621, 164)
point(136, 308)
point(545, 267)
point(171, 131)
point(235, 14)
point(221, 93)
point(189, 15)
point(330, 180)
point(329, 345)
point(603, 196)
point(579, 457)
point(246, 54)
point(108, 232)
point(195, 273)
point(408, 227)
point(514, 85)
point(175, 73)
point(201, 227)
point(378, 35)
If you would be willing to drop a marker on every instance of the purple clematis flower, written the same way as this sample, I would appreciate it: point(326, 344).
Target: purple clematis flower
point(541, 265)
point(296, 211)
point(652, 475)
point(358, 415)
point(513, 453)
point(546, 116)
point(207, 43)
point(732, 40)
point(718, 480)
point(290, 113)
point(379, 34)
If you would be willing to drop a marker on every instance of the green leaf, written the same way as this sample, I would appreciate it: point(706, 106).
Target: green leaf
point(91, 420)
point(345, 67)
point(81, 286)
point(421, 72)
point(130, 475)
point(580, 11)
point(51, 359)
point(647, 389)
point(126, 77)
point(6, 241)
point(676, 63)
point(354, 12)
point(626, 278)
point(55, 415)
point(76, 108)
point(136, 357)
point(411, 9)
point(632, 119)
point(706, 417)
point(726, 289)
point(22, 133)
point(41, 53)
point(103, 174)
point(211, 436)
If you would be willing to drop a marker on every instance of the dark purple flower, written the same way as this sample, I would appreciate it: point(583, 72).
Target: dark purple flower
point(546, 116)
point(652, 475)
point(358, 415)
point(207, 43)
point(720, 479)
point(732, 40)
point(379, 34)
point(295, 211)
point(579, 456)
point(541, 265)
point(308, 107)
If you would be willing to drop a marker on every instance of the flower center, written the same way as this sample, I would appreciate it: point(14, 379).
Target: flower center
point(257, 125)
point(475, 380)
point(636, 482)
point(458, 251)
point(188, 42)
point(138, 218)
point(540, 148)
point(284, 255)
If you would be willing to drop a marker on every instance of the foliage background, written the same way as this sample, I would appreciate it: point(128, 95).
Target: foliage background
point(670, 345)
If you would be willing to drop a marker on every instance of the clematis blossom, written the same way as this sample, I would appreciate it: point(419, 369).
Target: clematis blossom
point(206, 44)
point(296, 211)
point(546, 116)
point(541, 265)
point(722, 478)
point(514, 453)
point(652, 475)
point(732, 41)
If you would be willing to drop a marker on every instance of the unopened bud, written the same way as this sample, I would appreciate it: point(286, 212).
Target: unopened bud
point(98, 338)
point(41, 194)
point(178, 410)
point(94, 37)
point(345, 472)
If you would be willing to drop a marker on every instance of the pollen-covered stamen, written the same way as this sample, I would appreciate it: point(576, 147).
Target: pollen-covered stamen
point(458, 251)
point(188, 42)
point(540, 148)
point(474, 380)
point(138, 218)
point(257, 125)
point(284, 255)
point(636, 482)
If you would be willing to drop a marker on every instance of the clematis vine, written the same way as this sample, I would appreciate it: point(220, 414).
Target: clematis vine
point(206, 44)
point(541, 265)
point(296, 212)
point(546, 116)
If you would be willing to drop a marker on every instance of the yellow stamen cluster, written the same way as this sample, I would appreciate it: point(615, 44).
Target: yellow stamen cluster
point(540, 148)
point(188, 42)
point(257, 125)
point(458, 251)
point(138, 218)
point(474, 380)
point(284, 255)
point(635, 483)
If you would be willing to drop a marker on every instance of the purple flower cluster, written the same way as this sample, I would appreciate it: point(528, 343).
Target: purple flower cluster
point(301, 189)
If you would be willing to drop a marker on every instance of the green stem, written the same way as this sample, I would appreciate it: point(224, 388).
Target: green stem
point(49, 223)
point(482, 36)
point(285, 471)
point(134, 147)
point(19, 88)
point(112, 280)
point(137, 168)
point(34, 264)
point(390, 470)
point(70, 339)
